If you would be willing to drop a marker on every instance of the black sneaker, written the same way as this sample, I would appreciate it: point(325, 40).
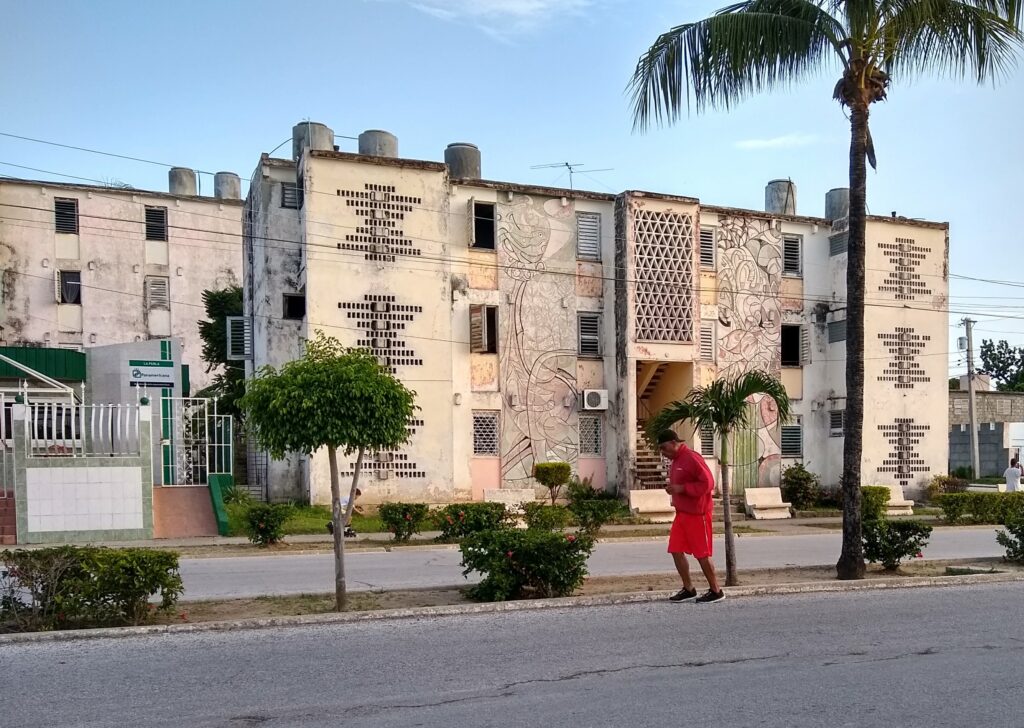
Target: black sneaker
point(683, 595)
point(711, 597)
point(349, 533)
point(330, 527)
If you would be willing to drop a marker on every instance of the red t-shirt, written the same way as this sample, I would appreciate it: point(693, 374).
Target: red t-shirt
point(690, 471)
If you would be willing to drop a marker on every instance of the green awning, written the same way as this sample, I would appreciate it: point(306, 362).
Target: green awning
point(61, 364)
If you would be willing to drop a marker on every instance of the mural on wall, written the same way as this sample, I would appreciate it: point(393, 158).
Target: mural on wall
point(537, 321)
point(750, 334)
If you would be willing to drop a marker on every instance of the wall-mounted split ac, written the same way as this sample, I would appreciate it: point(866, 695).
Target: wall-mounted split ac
point(595, 399)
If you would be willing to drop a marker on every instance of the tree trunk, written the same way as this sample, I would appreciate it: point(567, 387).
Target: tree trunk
point(730, 540)
point(355, 486)
point(341, 520)
point(851, 559)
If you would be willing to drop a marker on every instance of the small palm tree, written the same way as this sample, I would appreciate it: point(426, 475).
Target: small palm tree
point(723, 407)
point(763, 45)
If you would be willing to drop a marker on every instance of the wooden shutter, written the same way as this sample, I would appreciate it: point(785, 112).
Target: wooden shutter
point(239, 338)
point(707, 247)
point(158, 293)
point(590, 334)
point(65, 215)
point(792, 441)
point(805, 346)
point(588, 235)
point(836, 331)
point(471, 222)
point(478, 329)
point(291, 195)
point(792, 260)
point(156, 223)
point(707, 340)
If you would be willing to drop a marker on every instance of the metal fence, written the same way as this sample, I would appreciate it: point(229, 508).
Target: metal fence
point(197, 442)
point(63, 429)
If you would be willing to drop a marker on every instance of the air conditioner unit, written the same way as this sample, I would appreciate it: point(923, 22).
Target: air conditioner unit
point(381, 306)
point(382, 343)
point(384, 361)
point(383, 474)
point(379, 232)
point(384, 457)
point(380, 325)
point(595, 399)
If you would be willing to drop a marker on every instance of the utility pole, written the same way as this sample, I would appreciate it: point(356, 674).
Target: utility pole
point(971, 408)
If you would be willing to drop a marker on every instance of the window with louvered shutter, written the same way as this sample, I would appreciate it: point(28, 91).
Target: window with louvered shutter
point(588, 235)
point(291, 195)
point(707, 247)
point(65, 215)
point(836, 331)
point(483, 329)
point(837, 423)
point(590, 334)
point(156, 223)
point(239, 335)
point(591, 435)
point(707, 441)
point(838, 244)
point(707, 340)
point(158, 293)
point(792, 258)
point(792, 441)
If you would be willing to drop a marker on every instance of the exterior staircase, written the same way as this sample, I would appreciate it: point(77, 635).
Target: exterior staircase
point(8, 521)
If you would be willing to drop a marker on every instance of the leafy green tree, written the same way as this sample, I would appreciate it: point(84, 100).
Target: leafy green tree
point(228, 384)
point(333, 398)
point(723, 407)
point(764, 45)
point(1004, 363)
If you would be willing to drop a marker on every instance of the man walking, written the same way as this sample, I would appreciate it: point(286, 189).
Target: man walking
point(691, 485)
point(1012, 476)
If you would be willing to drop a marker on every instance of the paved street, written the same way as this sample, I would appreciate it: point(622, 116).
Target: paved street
point(923, 657)
point(402, 568)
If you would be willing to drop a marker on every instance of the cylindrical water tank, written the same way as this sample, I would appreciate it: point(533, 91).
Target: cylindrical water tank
point(463, 160)
point(227, 186)
point(313, 135)
point(181, 181)
point(780, 197)
point(837, 203)
point(377, 143)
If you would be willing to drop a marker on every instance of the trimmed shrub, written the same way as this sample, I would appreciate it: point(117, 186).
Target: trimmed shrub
point(981, 508)
point(582, 489)
point(74, 587)
point(552, 476)
point(463, 519)
point(872, 502)
point(546, 518)
point(403, 519)
point(591, 515)
point(890, 542)
point(963, 473)
point(800, 487)
point(522, 564)
point(1012, 539)
point(942, 484)
point(264, 522)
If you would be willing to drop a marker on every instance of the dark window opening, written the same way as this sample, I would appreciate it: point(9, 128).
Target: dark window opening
point(291, 195)
point(483, 226)
point(69, 287)
point(65, 215)
point(791, 346)
point(294, 306)
point(156, 223)
point(492, 330)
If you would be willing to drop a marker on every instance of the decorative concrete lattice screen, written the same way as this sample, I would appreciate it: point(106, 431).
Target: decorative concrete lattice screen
point(904, 280)
point(382, 321)
point(381, 210)
point(903, 369)
point(904, 459)
point(386, 464)
point(591, 435)
point(485, 434)
point(663, 251)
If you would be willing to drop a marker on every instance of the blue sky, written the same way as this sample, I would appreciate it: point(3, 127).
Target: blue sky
point(212, 84)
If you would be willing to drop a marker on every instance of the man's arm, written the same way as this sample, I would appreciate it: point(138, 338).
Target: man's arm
point(704, 483)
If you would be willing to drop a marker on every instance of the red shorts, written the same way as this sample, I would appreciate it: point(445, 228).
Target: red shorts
point(691, 534)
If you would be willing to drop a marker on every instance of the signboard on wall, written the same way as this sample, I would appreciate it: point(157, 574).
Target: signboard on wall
point(151, 373)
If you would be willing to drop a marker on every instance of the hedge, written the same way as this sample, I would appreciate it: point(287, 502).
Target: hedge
point(981, 508)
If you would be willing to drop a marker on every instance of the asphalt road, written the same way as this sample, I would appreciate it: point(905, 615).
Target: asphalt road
point(244, 576)
point(922, 657)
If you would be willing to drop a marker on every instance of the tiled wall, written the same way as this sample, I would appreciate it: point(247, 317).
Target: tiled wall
point(84, 498)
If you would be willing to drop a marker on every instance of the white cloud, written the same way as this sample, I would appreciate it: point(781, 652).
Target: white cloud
point(787, 141)
point(501, 18)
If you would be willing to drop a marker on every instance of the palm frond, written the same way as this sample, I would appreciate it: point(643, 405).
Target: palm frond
point(758, 382)
point(667, 418)
point(741, 50)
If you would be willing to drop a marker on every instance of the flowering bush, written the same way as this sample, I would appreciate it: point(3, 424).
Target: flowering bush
point(462, 519)
point(873, 500)
point(403, 519)
point(521, 564)
point(546, 518)
point(889, 542)
point(264, 522)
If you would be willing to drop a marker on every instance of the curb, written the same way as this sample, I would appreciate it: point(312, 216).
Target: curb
point(501, 607)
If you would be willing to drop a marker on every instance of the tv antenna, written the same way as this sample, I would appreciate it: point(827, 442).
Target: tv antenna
point(572, 167)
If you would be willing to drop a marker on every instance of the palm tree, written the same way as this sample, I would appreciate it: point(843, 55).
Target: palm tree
point(723, 407)
point(762, 45)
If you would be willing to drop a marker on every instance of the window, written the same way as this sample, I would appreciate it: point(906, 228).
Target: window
point(792, 258)
point(588, 235)
point(65, 215)
point(294, 306)
point(291, 195)
point(707, 441)
point(482, 228)
point(589, 334)
point(485, 434)
point(793, 440)
point(707, 340)
point(796, 346)
point(836, 423)
point(838, 244)
point(156, 223)
point(483, 329)
point(836, 331)
point(157, 291)
point(69, 287)
point(591, 435)
point(707, 248)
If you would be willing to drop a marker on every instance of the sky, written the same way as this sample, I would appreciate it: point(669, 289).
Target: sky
point(212, 84)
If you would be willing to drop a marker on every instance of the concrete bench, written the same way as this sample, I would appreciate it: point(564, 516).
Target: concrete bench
point(898, 504)
point(654, 504)
point(765, 504)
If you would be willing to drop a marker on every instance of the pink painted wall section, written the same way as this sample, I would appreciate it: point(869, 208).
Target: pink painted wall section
point(593, 468)
point(486, 475)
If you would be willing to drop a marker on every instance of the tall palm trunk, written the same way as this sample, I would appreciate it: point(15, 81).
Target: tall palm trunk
point(340, 521)
point(730, 540)
point(851, 559)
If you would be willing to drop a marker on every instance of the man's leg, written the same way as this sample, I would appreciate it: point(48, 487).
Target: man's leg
point(683, 567)
point(709, 573)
